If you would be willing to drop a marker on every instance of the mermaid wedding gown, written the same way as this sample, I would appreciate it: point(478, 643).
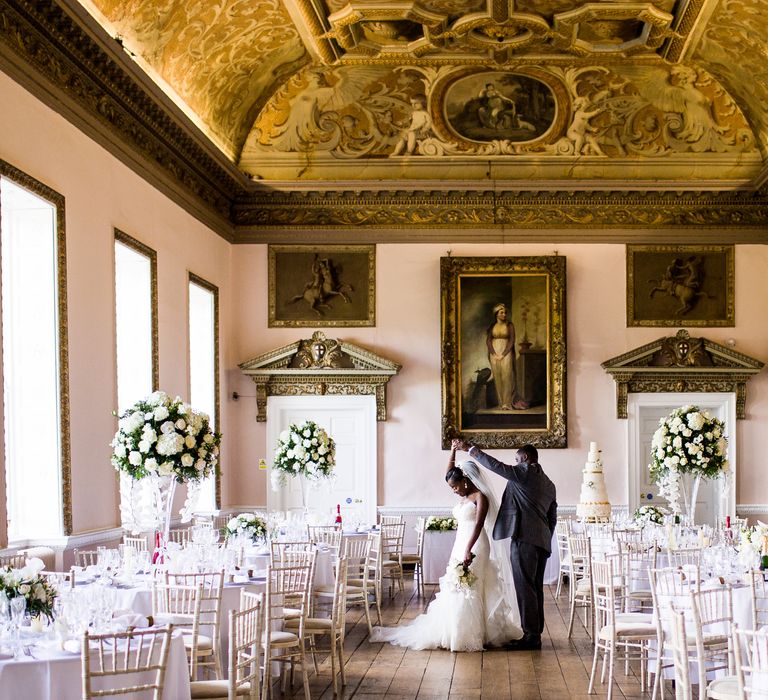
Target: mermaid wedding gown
point(485, 615)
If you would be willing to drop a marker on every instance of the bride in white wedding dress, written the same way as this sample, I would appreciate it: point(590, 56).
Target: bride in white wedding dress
point(461, 618)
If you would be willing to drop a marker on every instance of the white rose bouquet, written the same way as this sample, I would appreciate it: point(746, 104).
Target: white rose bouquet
point(460, 577)
point(649, 514)
point(248, 525)
point(30, 585)
point(303, 450)
point(687, 441)
point(441, 524)
point(164, 436)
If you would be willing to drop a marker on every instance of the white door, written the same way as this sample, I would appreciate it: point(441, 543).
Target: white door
point(351, 422)
point(715, 499)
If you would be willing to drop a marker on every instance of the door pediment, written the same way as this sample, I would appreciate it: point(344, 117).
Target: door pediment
point(318, 366)
point(681, 363)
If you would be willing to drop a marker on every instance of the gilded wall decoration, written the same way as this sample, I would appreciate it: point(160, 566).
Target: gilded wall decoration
point(222, 59)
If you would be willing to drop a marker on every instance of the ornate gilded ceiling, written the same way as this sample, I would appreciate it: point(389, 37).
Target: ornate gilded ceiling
point(471, 90)
point(438, 113)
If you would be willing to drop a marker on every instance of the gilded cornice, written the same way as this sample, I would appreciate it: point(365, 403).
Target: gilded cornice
point(491, 209)
point(85, 83)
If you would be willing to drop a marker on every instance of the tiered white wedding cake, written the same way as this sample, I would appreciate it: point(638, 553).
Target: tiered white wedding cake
point(593, 501)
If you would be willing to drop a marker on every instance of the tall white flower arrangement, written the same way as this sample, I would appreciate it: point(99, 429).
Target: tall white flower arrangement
point(165, 437)
point(687, 441)
point(304, 450)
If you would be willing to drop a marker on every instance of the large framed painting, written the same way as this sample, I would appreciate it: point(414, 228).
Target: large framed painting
point(504, 351)
point(328, 285)
point(680, 285)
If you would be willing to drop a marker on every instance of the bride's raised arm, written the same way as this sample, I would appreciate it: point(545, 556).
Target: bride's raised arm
point(482, 512)
point(451, 460)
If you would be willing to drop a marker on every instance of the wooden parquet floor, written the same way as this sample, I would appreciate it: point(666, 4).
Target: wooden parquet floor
point(559, 671)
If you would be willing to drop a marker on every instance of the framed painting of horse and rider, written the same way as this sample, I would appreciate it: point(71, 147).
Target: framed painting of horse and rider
point(680, 285)
point(330, 285)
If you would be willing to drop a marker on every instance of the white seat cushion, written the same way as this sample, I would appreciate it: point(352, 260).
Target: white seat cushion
point(723, 689)
point(213, 690)
point(283, 638)
point(624, 630)
point(203, 643)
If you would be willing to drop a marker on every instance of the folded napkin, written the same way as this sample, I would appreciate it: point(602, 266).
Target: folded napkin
point(122, 620)
point(73, 646)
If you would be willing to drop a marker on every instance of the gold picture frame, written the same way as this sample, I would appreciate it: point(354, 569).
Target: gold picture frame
point(680, 285)
point(322, 285)
point(488, 398)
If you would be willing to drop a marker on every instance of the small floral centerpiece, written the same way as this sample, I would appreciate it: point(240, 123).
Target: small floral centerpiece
point(649, 514)
point(30, 585)
point(752, 543)
point(460, 576)
point(247, 525)
point(303, 450)
point(687, 441)
point(165, 437)
point(440, 524)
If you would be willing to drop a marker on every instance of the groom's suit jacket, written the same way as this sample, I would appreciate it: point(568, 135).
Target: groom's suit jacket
point(528, 509)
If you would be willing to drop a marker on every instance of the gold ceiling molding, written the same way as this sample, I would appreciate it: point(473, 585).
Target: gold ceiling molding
point(682, 363)
point(456, 209)
point(318, 366)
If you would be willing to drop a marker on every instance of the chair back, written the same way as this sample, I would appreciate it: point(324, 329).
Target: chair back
point(280, 549)
point(580, 558)
point(676, 645)
point(328, 535)
point(605, 580)
point(60, 579)
point(392, 541)
point(211, 587)
point(563, 530)
point(138, 543)
point(136, 659)
point(182, 535)
point(672, 586)
point(245, 627)
point(712, 617)
point(750, 651)
point(14, 561)
point(759, 599)
point(688, 556)
point(421, 528)
point(391, 520)
point(86, 557)
point(356, 551)
point(286, 583)
point(636, 562)
point(339, 607)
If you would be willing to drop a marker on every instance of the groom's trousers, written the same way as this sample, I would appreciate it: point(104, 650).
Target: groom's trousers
point(528, 564)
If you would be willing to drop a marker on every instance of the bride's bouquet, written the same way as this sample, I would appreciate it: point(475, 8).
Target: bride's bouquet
point(460, 577)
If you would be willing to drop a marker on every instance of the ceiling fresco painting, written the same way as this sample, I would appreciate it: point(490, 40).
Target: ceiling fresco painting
point(371, 89)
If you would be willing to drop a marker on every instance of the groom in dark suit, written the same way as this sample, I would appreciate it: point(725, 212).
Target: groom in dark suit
point(527, 515)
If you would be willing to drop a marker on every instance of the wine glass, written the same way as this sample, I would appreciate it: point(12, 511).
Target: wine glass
point(18, 607)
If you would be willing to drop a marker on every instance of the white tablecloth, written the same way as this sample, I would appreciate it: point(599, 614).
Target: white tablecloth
point(437, 551)
point(57, 675)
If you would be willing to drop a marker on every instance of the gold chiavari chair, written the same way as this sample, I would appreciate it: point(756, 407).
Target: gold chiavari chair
point(392, 536)
point(120, 660)
point(417, 560)
point(391, 520)
point(332, 627)
point(283, 646)
point(759, 590)
point(325, 535)
point(563, 530)
point(243, 670)
point(712, 617)
point(612, 634)
point(139, 544)
point(180, 606)
point(182, 536)
point(751, 662)
point(579, 580)
point(205, 645)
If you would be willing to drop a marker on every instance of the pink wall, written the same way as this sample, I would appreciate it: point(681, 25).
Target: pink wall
point(408, 331)
point(102, 194)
